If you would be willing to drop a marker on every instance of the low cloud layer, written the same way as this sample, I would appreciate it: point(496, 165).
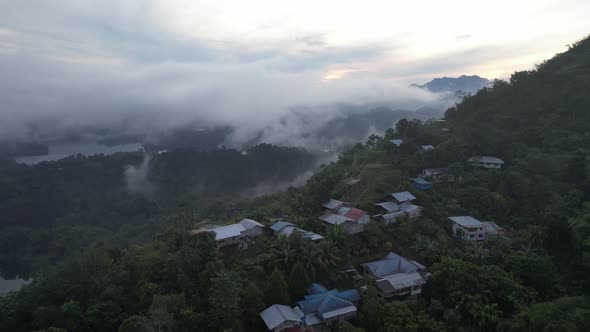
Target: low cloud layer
point(142, 67)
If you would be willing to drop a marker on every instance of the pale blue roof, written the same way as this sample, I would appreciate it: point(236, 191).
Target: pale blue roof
point(280, 225)
point(403, 196)
point(466, 221)
point(389, 206)
point(420, 181)
point(316, 288)
point(277, 314)
point(391, 264)
point(328, 301)
point(333, 204)
point(334, 219)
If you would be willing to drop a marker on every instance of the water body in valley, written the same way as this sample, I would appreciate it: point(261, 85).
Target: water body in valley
point(60, 151)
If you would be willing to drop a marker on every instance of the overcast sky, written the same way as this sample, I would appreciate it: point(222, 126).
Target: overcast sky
point(158, 63)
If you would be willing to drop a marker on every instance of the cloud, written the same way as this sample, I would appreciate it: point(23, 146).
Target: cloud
point(149, 66)
point(136, 178)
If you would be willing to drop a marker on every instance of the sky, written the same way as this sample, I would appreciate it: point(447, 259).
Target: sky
point(154, 64)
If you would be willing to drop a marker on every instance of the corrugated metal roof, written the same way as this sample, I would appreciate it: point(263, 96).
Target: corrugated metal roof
point(486, 159)
point(328, 301)
point(420, 181)
point(409, 208)
point(316, 288)
point(333, 204)
point(466, 221)
point(394, 215)
point(312, 319)
point(427, 147)
point(400, 281)
point(339, 312)
point(280, 225)
point(228, 231)
point(355, 214)
point(351, 295)
point(334, 219)
point(391, 264)
point(277, 314)
point(389, 206)
point(403, 196)
point(287, 231)
point(249, 223)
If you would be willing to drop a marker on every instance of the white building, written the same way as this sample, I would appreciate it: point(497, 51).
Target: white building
point(468, 228)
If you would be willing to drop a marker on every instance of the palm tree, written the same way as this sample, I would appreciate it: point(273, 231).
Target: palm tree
point(476, 252)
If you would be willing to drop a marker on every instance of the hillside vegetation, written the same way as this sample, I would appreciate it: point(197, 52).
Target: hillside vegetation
point(535, 279)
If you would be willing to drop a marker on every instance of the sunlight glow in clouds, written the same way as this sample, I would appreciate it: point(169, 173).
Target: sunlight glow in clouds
point(149, 64)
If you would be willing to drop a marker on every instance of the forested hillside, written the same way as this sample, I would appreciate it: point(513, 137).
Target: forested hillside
point(533, 279)
point(53, 208)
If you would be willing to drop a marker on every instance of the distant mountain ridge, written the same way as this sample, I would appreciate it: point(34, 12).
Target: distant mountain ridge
point(464, 83)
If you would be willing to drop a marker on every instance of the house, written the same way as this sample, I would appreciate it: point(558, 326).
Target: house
point(333, 204)
point(349, 225)
point(468, 228)
point(400, 206)
point(486, 162)
point(389, 212)
point(323, 307)
point(421, 184)
point(396, 142)
point(279, 317)
point(406, 202)
point(353, 220)
point(320, 308)
point(278, 226)
point(239, 234)
point(397, 277)
point(435, 174)
point(403, 197)
point(287, 228)
point(412, 211)
point(426, 147)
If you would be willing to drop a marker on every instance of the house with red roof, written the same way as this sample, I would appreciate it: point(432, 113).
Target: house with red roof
point(351, 219)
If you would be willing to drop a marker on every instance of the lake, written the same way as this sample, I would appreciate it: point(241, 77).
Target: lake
point(7, 285)
point(60, 151)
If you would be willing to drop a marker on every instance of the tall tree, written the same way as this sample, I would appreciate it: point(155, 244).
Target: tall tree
point(252, 302)
point(298, 281)
point(276, 291)
point(225, 312)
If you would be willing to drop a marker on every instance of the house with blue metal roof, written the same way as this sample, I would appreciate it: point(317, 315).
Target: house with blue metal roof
point(320, 308)
point(421, 184)
point(396, 276)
